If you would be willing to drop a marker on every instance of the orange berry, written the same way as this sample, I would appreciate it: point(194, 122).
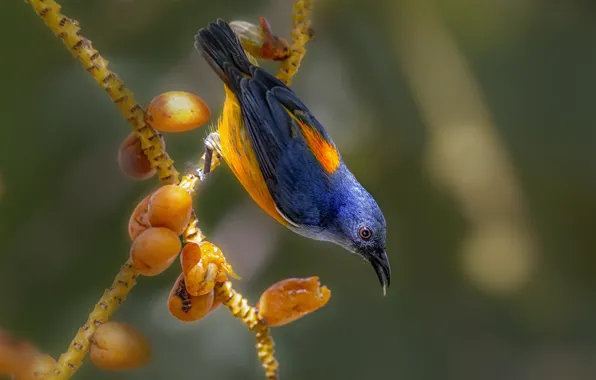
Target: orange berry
point(118, 346)
point(177, 111)
point(291, 299)
point(16, 356)
point(188, 308)
point(139, 221)
point(41, 367)
point(203, 265)
point(131, 159)
point(154, 250)
point(170, 206)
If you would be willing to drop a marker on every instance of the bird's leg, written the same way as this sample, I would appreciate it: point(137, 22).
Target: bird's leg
point(211, 157)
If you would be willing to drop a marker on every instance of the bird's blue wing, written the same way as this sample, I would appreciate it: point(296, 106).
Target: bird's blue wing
point(295, 153)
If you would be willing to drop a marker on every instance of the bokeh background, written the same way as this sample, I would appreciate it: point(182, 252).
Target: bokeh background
point(472, 123)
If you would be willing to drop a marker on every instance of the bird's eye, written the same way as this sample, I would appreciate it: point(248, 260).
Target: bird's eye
point(365, 233)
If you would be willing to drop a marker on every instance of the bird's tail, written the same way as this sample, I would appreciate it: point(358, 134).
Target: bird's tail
point(222, 49)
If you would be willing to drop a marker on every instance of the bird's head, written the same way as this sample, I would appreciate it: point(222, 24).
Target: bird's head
point(360, 228)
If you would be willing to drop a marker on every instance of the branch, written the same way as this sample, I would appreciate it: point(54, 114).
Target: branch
point(71, 360)
point(240, 308)
point(69, 32)
point(301, 34)
point(234, 301)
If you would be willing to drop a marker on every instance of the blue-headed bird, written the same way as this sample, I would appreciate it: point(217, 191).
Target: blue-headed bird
point(284, 157)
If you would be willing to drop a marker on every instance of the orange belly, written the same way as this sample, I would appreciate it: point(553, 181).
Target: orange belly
point(240, 157)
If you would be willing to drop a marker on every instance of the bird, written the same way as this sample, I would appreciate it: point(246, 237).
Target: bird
point(284, 157)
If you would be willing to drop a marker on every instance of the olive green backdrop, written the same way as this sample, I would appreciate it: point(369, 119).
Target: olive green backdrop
point(472, 123)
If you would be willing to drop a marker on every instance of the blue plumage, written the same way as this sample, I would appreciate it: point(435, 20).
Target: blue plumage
point(319, 202)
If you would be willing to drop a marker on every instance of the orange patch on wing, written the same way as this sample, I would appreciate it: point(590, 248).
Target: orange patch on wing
point(324, 151)
point(239, 155)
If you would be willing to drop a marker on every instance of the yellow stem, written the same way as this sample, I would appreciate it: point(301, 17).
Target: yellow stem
point(189, 182)
point(71, 360)
point(69, 32)
point(240, 308)
point(301, 34)
point(193, 233)
point(266, 351)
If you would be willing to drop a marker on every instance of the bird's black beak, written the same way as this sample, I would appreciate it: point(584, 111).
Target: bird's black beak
point(380, 263)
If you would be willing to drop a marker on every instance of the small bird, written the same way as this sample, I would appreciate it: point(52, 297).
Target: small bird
point(284, 157)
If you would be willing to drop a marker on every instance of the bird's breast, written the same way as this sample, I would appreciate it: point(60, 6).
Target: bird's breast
point(239, 154)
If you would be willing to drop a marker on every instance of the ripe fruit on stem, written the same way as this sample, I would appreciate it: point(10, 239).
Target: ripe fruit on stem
point(154, 250)
point(177, 111)
point(131, 159)
point(139, 221)
point(291, 299)
point(170, 206)
point(118, 346)
point(188, 308)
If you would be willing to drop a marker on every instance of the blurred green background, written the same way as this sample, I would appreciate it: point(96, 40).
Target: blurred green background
point(472, 123)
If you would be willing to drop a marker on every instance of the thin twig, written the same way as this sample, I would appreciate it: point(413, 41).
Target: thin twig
point(237, 304)
point(301, 34)
point(72, 359)
point(69, 32)
point(240, 308)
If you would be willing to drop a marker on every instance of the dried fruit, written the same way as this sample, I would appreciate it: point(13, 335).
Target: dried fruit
point(291, 299)
point(188, 308)
point(139, 220)
point(177, 111)
point(170, 206)
point(203, 265)
point(131, 159)
point(154, 250)
point(118, 346)
point(259, 41)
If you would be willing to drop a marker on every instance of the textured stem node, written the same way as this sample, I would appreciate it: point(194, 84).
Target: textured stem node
point(71, 360)
point(301, 34)
point(69, 32)
point(151, 143)
point(240, 308)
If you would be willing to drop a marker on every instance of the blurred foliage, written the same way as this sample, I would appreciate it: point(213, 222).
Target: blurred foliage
point(64, 203)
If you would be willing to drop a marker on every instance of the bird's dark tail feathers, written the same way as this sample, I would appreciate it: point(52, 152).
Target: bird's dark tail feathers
point(222, 49)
